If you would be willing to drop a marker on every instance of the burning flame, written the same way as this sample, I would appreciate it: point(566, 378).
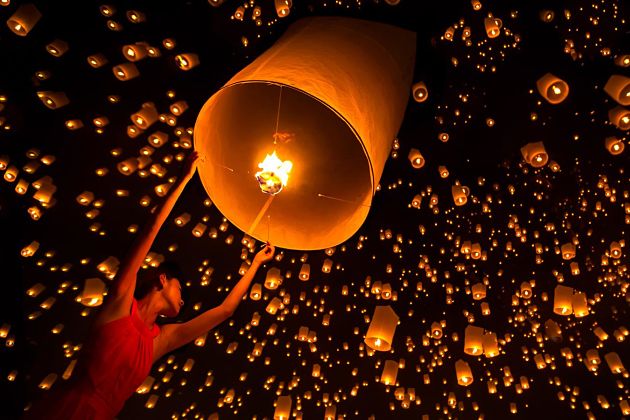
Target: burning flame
point(274, 174)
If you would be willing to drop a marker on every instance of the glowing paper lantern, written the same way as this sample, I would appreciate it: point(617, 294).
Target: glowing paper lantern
point(125, 71)
point(23, 20)
point(473, 340)
point(614, 145)
point(562, 297)
point(553, 89)
point(620, 117)
point(93, 290)
point(390, 370)
point(273, 278)
point(420, 92)
point(296, 84)
point(283, 7)
point(380, 333)
point(618, 88)
point(493, 26)
point(535, 154)
point(53, 100)
point(579, 304)
point(464, 373)
point(283, 408)
point(57, 48)
point(416, 159)
point(460, 194)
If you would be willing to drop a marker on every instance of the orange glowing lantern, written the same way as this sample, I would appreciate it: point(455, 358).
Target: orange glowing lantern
point(420, 92)
point(553, 89)
point(380, 334)
point(23, 20)
point(416, 159)
point(535, 154)
point(464, 373)
point(618, 88)
point(323, 132)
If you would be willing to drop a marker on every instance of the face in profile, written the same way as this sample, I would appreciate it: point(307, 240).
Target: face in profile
point(172, 293)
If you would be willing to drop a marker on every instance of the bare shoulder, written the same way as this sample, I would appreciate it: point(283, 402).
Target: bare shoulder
point(115, 307)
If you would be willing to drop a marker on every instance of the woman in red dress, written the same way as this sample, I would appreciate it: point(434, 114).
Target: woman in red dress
point(125, 340)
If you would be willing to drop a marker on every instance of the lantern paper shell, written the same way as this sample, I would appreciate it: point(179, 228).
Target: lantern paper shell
point(283, 408)
point(620, 117)
point(125, 71)
point(93, 290)
point(53, 100)
point(553, 89)
point(464, 373)
point(535, 154)
point(390, 371)
point(460, 194)
point(618, 88)
point(493, 26)
point(380, 334)
point(420, 92)
point(562, 297)
point(23, 20)
point(473, 340)
point(614, 145)
point(330, 134)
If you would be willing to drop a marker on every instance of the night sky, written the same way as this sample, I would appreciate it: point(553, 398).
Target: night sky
point(482, 99)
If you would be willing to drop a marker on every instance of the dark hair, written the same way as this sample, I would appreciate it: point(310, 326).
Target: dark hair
point(149, 279)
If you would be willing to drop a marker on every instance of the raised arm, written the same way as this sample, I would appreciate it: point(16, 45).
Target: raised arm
point(124, 284)
point(173, 336)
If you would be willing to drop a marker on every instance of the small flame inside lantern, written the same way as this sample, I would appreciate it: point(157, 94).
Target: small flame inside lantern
point(274, 174)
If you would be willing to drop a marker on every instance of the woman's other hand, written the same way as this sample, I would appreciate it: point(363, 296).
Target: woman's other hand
point(264, 254)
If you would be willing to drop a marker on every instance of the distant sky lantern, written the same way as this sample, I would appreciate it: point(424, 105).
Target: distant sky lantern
point(416, 159)
point(24, 19)
point(473, 337)
point(460, 194)
point(57, 48)
point(420, 92)
point(620, 117)
point(186, 61)
point(305, 272)
point(618, 88)
point(53, 100)
point(553, 89)
point(294, 87)
point(568, 251)
point(273, 278)
point(283, 7)
point(463, 372)
point(380, 333)
point(93, 290)
point(96, 60)
point(579, 304)
point(614, 145)
point(390, 371)
point(145, 116)
point(125, 71)
point(135, 52)
point(562, 300)
point(493, 26)
point(283, 408)
point(535, 154)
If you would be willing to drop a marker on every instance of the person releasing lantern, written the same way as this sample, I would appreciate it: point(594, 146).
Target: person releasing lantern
point(125, 336)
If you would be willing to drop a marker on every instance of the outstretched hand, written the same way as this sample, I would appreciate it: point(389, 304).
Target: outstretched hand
point(190, 164)
point(265, 254)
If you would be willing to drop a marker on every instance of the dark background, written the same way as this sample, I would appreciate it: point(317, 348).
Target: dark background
point(473, 151)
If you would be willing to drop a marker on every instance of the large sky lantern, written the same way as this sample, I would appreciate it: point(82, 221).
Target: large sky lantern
point(277, 176)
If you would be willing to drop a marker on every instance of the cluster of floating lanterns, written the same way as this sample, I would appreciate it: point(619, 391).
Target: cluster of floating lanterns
point(292, 302)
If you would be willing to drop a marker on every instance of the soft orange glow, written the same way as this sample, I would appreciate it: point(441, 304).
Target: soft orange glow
point(274, 174)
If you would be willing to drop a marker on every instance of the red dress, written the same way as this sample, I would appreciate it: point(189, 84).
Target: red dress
point(115, 360)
